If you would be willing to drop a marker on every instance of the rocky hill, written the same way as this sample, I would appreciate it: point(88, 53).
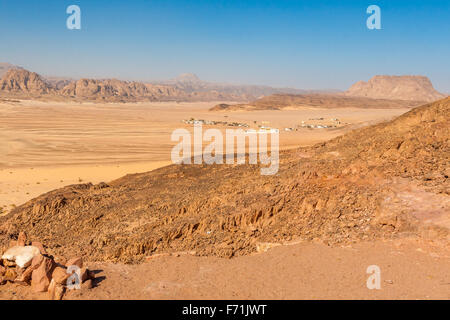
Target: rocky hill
point(20, 81)
point(4, 67)
point(112, 88)
point(415, 88)
point(384, 181)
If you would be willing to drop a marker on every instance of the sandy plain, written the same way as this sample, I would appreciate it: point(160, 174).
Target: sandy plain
point(409, 269)
point(47, 145)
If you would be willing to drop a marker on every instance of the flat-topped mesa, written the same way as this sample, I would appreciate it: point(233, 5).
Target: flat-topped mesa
point(412, 88)
point(24, 82)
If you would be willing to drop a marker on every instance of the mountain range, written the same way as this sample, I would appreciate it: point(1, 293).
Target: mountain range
point(18, 82)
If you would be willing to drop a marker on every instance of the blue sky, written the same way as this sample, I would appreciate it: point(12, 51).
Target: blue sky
point(303, 44)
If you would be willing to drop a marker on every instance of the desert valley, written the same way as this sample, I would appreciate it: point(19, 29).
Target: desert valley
point(85, 171)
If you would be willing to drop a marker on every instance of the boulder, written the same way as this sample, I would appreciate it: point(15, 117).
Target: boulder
point(60, 275)
point(10, 275)
point(51, 289)
point(55, 291)
point(59, 292)
point(25, 277)
point(41, 277)
point(21, 255)
point(39, 245)
point(22, 239)
point(77, 261)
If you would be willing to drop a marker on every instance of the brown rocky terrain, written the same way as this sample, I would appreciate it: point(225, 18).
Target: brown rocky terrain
point(414, 88)
point(4, 67)
point(23, 82)
point(315, 100)
point(380, 182)
point(20, 83)
point(113, 88)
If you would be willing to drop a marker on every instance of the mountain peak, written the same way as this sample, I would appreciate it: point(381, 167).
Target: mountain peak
point(187, 77)
point(409, 87)
point(23, 81)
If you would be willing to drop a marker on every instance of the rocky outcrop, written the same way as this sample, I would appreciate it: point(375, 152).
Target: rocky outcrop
point(414, 88)
point(30, 265)
point(20, 81)
point(113, 88)
point(4, 67)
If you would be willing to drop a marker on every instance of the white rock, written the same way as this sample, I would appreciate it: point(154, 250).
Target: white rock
point(22, 256)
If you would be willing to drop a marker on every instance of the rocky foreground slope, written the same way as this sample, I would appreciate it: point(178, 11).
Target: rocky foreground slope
point(384, 181)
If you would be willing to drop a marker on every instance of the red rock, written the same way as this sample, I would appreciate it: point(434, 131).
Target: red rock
point(77, 261)
point(10, 275)
point(41, 277)
point(55, 291)
point(2, 270)
point(51, 289)
point(59, 292)
point(39, 245)
point(25, 277)
point(37, 261)
point(22, 239)
point(60, 275)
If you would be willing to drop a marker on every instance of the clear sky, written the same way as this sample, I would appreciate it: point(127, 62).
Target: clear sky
point(303, 44)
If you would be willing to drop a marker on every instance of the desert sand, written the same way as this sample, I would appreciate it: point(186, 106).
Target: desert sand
point(48, 145)
point(409, 270)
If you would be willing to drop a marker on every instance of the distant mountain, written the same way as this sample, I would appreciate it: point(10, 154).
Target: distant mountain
point(416, 88)
point(20, 81)
point(113, 89)
point(192, 83)
point(314, 100)
point(4, 67)
point(58, 82)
